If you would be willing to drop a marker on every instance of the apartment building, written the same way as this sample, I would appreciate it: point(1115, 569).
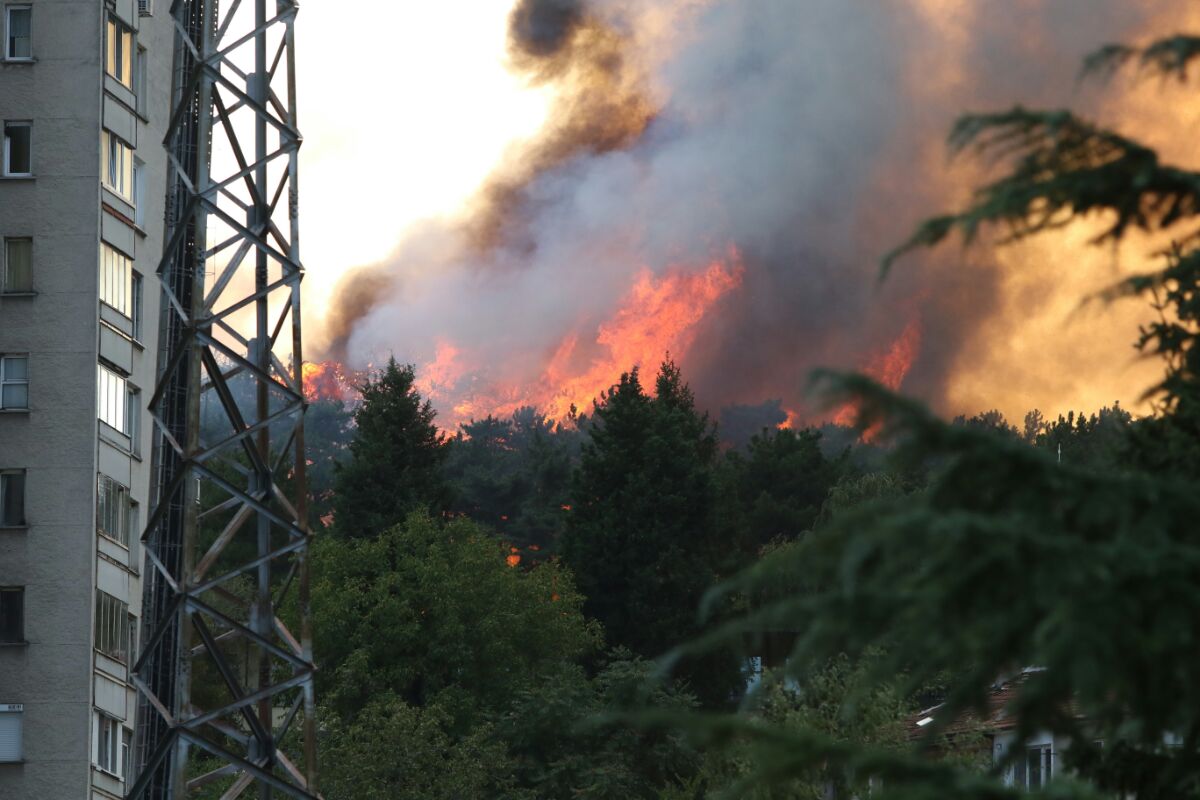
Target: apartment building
point(84, 103)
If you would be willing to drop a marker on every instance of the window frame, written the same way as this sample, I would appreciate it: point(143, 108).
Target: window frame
point(140, 78)
point(18, 711)
point(1045, 765)
point(116, 275)
point(107, 757)
point(7, 475)
point(115, 150)
point(19, 593)
point(133, 418)
point(120, 48)
point(4, 265)
point(137, 287)
point(111, 636)
point(8, 39)
point(8, 172)
point(113, 504)
point(6, 381)
point(112, 395)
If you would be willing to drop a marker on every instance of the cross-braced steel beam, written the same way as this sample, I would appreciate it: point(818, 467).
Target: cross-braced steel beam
point(225, 672)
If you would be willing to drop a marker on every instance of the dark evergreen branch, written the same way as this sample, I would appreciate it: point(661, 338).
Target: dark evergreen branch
point(1165, 58)
point(1062, 168)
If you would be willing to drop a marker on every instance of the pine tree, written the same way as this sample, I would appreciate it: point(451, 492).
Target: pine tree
point(642, 525)
point(395, 458)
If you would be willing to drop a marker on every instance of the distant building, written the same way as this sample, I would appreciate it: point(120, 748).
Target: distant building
point(994, 734)
point(84, 103)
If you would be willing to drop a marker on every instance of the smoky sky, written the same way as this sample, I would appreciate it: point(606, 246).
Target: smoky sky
point(802, 133)
point(543, 27)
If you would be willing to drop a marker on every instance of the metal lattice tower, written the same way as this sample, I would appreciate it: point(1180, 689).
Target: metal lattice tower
point(225, 672)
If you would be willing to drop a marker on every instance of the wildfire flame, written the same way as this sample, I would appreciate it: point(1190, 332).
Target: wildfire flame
point(328, 380)
point(888, 368)
point(658, 316)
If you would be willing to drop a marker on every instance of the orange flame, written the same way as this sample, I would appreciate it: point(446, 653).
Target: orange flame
point(793, 421)
point(888, 368)
point(326, 380)
point(658, 316)
point(441, 374)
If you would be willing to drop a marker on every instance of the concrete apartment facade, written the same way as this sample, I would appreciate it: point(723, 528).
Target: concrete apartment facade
point(84, 102)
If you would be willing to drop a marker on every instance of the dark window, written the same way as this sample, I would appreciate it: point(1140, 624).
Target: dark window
point(1037, 767)
point(112, 627)
point(15, 273)
point(20, 45)
point(18, 138)
point(136, 286)
point(12, 498)
point(12, 614)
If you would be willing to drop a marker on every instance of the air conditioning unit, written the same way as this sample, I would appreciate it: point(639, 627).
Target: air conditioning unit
point(145, 7)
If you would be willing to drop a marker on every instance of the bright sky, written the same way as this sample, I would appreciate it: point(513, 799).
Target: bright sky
point(405, 107)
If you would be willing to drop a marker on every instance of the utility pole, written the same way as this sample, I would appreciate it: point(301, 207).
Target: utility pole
point(225, 671)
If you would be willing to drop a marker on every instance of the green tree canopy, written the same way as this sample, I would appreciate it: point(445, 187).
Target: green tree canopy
point(773, 491)
point(560, 750)
point(392, 751)
point(395, 458)
point(434, 614)
point(641, 535)
point(514, 475)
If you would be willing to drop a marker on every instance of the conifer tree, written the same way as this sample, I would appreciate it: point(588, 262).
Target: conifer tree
point(395, 457)
point(642, 527)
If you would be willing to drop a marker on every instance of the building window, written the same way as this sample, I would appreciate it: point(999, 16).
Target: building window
point(118, 164)
point(112, 509)
point(14, 382)
point(139, 192)
point(116, 279)
point(12, 614)
point(108, 744)
point(19, 44)
point(18, 148)
point(140, 87)
point(16, 273)
point(10, 733)
point(1038, 767)
point(112, 627)
point(133, 405)
point(12, 498)
point(127, 754)
point(113, 400)
point(135, 312)
point(118, 60)
point(145, 7)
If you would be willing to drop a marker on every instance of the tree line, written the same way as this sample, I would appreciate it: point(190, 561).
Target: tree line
point(620, 606)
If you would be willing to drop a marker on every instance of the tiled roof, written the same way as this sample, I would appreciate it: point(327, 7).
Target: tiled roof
point(994, 718)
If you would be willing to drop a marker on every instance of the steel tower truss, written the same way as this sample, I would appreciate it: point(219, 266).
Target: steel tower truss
point(225, 671)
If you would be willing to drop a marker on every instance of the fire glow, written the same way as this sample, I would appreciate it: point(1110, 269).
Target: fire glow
point(658, 317)
point(888, 368)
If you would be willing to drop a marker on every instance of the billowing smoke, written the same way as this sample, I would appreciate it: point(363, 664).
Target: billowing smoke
point(719, 178)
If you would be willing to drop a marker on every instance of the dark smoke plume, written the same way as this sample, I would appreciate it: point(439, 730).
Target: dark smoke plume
point(542, 28)
point(602, 106)
point(806, 135)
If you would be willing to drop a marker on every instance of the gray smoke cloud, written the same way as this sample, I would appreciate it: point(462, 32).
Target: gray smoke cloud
point(797, 131)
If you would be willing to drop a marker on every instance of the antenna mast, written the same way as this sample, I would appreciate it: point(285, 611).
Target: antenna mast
point(225, 673)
